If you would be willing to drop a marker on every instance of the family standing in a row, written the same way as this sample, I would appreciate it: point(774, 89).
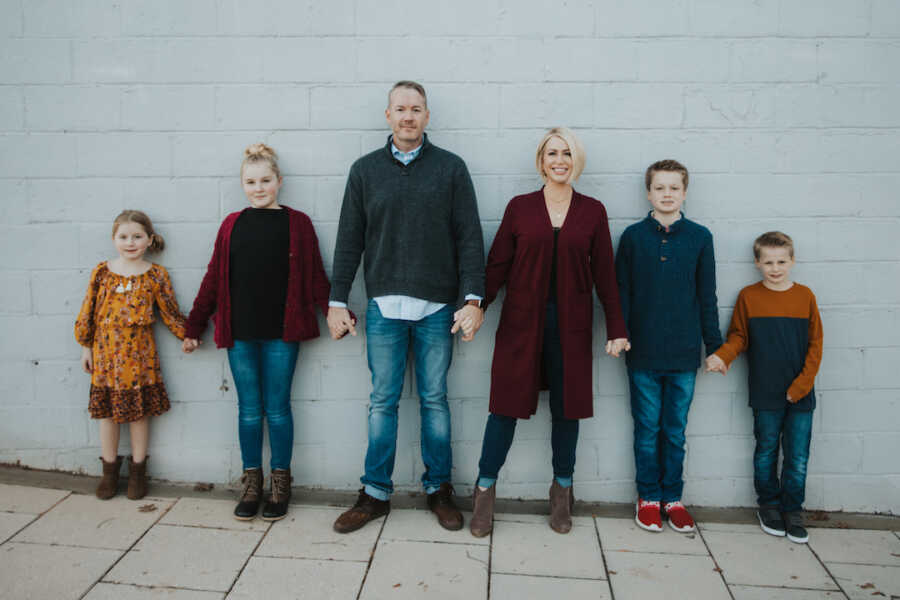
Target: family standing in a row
point(410, 213)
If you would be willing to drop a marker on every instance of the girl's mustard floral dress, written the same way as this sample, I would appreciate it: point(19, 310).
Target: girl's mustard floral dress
point(115, 322)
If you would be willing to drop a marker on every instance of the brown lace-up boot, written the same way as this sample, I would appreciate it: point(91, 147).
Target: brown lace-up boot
point(277, 505)
point(109, 483)
point(137, 478)
point(561, 502)
point(248, 505)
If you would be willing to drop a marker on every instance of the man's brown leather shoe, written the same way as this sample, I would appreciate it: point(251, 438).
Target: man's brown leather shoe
point(441, 503)
point(366, 509)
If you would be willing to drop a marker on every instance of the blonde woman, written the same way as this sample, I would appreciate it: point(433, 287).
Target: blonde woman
point(552, 248)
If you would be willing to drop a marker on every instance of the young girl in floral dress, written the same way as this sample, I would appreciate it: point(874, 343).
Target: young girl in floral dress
point(114, 328)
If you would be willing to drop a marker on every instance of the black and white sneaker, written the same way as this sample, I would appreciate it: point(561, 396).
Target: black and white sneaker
point(770, 520)
point(796, 532)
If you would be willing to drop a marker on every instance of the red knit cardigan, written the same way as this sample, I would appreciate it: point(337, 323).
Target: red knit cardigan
point(307, 285)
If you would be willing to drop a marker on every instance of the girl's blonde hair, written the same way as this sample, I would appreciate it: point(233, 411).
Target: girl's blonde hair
point(575, 149)
point(259, 152)
point(157, 243)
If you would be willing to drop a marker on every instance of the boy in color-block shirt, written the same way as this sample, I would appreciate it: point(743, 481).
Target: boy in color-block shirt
point(776, 321)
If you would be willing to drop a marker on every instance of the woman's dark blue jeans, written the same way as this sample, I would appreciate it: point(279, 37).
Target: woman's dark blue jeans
point(499, 431)
point(263, 371)
point(793, 428)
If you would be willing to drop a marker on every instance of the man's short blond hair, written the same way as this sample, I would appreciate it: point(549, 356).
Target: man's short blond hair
point(410, 85)
point(575, 149)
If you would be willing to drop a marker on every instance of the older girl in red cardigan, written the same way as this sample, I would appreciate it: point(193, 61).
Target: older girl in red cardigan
point(263, 283)
point(552, 247)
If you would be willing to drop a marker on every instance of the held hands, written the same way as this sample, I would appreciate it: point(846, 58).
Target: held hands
point(714, 364)
point(615, 347)
point(469, 318)
point(340, 322)
point(87, 360)
point(188, 345)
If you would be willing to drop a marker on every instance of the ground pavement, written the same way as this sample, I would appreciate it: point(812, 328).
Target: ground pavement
point(59, 544)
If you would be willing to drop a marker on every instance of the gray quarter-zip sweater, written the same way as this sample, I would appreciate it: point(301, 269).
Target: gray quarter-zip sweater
point(417, 224)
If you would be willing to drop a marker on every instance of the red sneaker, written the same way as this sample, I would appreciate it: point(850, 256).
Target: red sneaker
point(647, 515)
point(679, 518)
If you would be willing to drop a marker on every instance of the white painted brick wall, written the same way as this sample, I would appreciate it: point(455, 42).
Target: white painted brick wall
point(784, 110)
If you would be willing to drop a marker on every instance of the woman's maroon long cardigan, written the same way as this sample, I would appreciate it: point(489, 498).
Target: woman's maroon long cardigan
point(520, 258)
point(307, 288)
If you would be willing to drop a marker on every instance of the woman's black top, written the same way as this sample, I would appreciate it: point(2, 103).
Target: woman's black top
point(552, 296)
point(258, 273)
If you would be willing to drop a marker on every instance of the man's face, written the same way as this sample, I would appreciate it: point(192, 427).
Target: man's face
point(407, 116)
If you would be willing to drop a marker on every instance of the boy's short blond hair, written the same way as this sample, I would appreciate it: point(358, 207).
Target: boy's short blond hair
point(575, 149)
point(772, 239)
point(666, 165)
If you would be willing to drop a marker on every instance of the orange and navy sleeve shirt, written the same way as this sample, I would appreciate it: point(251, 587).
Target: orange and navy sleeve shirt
point(782, 335)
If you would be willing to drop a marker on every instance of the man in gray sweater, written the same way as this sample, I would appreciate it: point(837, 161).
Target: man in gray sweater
point(410, 208)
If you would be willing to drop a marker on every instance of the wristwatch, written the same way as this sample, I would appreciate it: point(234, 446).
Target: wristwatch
point(476, 303)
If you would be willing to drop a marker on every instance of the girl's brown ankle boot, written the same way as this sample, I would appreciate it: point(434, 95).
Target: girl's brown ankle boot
point(109, 482)
point(137, 478)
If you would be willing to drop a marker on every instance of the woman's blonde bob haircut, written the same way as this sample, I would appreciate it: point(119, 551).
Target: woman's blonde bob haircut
point(575, 148)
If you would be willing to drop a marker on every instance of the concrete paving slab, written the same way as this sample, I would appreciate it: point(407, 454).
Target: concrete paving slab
point(30, 500)
point(86, 521)
point(752, 559)
point(856, 546)
point(114, 591)
point(625, 535)
point(517, 587)
point(11, 523)
point(523, 518)
point(186, 557)
point(732, 528)
point(24, 570)
point(635, 575)
point(422, 526)
point(749, 592)
point(298, 578)
point(535, 549)
point(865, 581)
point(402, 569)
point(219, 514)
point(307, 533)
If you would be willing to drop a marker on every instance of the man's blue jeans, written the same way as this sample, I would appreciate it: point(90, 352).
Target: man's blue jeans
point(387, 345)
point(793, 428)
point(263, 371)
point(660, 401)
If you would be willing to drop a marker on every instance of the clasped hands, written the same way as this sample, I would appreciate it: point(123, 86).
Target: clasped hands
point(469, 318)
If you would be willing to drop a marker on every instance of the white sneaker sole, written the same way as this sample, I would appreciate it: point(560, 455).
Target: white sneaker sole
point(687, 529)
point(769, 530)
point(653, 528)
point(798, 540)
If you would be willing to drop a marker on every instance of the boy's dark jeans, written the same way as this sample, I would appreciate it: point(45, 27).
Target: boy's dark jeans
point(793, 428)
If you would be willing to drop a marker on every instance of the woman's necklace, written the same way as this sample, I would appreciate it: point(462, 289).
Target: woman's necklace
point(558, 208)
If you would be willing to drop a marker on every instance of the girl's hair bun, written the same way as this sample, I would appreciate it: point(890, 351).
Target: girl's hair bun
point(259, 150)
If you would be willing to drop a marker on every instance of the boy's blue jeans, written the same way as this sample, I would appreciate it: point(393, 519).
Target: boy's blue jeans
point(263, 371)
point(387, 345)
point(660, 401)
point(793, 428)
